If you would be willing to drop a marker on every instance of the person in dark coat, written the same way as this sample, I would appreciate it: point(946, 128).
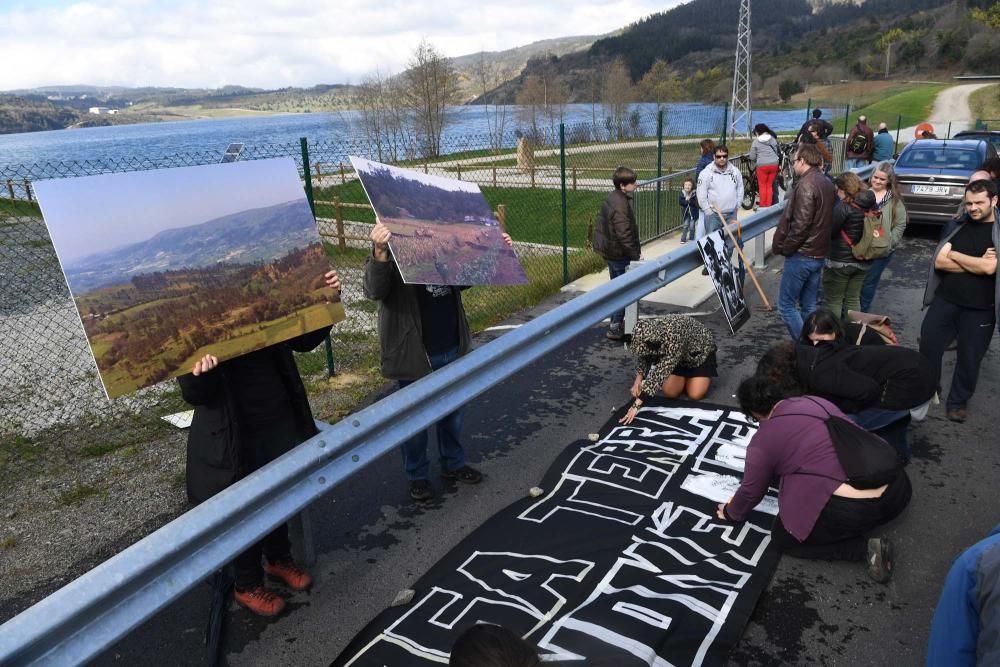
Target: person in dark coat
point(616, 236)
point(843, 273)
point(248, 411)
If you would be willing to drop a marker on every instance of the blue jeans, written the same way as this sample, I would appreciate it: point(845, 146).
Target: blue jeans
point(855, 163)
point(871, 281)
point(617, 267)
point(688, 228)
point(799, 288)
point(415, 461)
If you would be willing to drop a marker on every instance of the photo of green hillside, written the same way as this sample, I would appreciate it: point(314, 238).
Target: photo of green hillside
point(167, 266)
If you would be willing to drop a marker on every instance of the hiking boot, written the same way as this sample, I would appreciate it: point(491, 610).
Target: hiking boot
point(704, 272)
point(260, 601)
point(465, 474)
point(879, 559)
point(616, 332)
point(420, 490)
point(957, 414)
point(287, 571)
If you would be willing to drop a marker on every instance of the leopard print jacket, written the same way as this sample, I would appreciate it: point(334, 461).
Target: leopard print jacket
point(662, 344)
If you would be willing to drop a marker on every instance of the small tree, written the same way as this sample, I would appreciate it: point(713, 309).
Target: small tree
point(531, 100)
point(787, 88)
point(430, 86)
point(489, 76)
point(382, 115)
point(617, 92)
point(660, 84)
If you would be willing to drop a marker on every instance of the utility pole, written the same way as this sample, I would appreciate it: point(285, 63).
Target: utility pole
point(740, 122)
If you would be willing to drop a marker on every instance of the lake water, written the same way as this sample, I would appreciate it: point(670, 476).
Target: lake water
point(336, 132)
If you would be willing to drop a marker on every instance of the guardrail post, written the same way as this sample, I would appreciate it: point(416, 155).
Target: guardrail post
point(307, 175)
point(338, 207)
point(659, 165)
point(565, 219)
point(301, 536)
point(759, 249)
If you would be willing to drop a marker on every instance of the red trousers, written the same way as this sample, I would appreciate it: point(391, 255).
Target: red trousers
point(766, 174)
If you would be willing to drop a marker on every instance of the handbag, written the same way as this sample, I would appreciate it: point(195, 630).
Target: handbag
point(868, 461)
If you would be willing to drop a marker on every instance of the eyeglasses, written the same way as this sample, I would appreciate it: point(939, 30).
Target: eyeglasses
point(724, 157)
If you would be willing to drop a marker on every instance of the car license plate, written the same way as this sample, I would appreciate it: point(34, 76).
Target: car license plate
point(930, 189)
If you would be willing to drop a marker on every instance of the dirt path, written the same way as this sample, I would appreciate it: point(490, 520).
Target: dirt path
point(951, 106)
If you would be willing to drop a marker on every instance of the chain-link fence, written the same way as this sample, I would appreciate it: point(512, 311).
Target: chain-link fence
point(546, 186)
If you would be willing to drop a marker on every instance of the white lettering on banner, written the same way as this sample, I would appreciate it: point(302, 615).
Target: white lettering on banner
point(680, 574)
point(427, 629)
point(670, 582)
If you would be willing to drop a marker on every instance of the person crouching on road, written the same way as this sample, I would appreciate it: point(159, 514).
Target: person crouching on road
point(675, 354)
point(616, 236)
point(820, 515)
point(421, 329)
point(248, 411)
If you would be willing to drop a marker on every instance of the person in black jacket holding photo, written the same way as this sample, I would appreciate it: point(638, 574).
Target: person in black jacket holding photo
point(248, 411)
point(616, 236)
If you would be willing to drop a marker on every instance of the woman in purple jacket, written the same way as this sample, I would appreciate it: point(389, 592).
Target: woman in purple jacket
point(820, 515)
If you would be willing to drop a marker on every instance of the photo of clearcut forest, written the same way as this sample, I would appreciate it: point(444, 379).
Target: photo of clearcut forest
point(443, 230)
point(166, 266)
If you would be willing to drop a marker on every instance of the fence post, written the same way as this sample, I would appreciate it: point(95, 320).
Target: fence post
point(659, 165)
point(725, 121)
point(501, 214)
point(307, 175)
point(10, 188)
point(27, 189)
point(899, 125)
point(532, 171)
point(847, 120)
point(809, 104)
point(343, 176)
point(565, 213)
point(494, 175)
point(338, 207)
point(458, 168)
point(319, 174)
point(574, 178)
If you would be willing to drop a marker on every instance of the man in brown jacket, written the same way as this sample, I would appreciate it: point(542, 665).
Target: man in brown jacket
point(616, 236)
point(803, 238)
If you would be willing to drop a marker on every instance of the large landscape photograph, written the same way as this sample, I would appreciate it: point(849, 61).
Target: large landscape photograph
point(166, 266)
point(443, 230)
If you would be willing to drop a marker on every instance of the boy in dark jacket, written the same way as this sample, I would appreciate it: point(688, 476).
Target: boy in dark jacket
point(688, 201)
point(616, 236)
point(421, 329)
point(248, 411)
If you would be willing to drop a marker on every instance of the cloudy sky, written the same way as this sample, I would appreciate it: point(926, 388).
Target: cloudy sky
point(271, 43)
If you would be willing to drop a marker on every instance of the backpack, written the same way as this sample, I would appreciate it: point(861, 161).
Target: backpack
point(858, 143)
point(874, 242)
point(868, 461)
point(879, 324)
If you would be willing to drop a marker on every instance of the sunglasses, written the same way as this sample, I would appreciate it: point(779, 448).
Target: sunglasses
point(724, 157)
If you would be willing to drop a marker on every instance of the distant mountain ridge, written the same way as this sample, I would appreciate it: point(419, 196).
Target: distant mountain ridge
point(244, 237)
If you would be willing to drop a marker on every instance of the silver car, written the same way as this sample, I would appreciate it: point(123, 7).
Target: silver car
point(933, 173)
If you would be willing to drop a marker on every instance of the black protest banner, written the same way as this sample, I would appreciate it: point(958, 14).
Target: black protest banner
point(620, 561)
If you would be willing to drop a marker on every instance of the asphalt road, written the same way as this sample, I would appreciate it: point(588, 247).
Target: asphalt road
point(372, 541)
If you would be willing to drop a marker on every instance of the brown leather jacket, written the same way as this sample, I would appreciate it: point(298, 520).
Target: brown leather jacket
point(616, 235)
point(805, 223)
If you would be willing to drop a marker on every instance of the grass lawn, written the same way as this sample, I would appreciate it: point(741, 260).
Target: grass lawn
point(985, 104)
point(913, 105)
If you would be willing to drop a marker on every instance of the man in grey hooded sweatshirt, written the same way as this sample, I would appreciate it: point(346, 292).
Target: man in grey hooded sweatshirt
point(720, 188)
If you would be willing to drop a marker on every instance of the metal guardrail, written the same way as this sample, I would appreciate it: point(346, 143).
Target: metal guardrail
point(89, 614)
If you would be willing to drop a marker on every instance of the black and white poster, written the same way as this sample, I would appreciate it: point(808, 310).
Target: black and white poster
point(716, 257)
point(620, 561)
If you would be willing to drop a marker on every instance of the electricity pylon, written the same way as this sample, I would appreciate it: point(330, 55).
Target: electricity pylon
point(740, 111)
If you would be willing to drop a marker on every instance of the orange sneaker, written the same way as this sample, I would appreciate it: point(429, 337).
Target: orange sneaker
point(260, 601)
point(294, 576)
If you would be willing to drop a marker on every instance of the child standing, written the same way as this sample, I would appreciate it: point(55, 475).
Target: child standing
point(689, 210)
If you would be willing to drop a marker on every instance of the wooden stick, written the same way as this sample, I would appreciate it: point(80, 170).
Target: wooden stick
point(746, 264)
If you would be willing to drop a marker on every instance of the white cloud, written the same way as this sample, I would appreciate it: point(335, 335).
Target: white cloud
point(270, 43)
